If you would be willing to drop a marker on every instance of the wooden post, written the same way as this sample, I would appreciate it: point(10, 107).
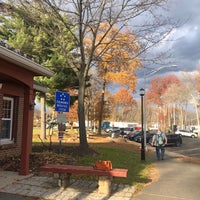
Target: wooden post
point(43, 116)
point(27, 130)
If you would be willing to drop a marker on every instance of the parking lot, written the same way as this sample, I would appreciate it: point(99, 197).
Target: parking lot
point(190, 147)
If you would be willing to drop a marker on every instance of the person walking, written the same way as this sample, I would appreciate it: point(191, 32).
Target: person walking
point(159, 141)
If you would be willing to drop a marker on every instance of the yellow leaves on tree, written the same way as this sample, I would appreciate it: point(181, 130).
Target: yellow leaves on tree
point(123, 78)
point(124, 97)
point(124, 104)
point(73, 115)
point(116, 56)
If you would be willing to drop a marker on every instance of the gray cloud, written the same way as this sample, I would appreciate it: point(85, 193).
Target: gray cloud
point(184, 41)
point(186, 38)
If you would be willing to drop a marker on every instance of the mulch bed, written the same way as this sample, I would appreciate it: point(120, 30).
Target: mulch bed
point(41, 155)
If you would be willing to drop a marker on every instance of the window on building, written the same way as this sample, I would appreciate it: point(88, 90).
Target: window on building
point(6, 129)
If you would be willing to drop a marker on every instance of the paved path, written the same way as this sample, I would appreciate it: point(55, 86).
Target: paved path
point(178, 181)
point(46, 188)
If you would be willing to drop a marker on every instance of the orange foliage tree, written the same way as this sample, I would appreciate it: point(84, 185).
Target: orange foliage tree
point(72, 116)
point(124, 104)
point(158, 87)
point(118, 62)
point(156, 95)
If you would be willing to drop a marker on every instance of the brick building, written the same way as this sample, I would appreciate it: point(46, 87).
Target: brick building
point(17, 95)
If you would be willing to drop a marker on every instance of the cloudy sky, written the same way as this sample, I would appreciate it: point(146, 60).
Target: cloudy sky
point(184, 41)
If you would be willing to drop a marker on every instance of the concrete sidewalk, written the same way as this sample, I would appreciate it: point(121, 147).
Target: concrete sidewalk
point(40, 187)
point(178, 180)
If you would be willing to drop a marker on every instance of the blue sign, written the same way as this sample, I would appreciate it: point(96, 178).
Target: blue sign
point(62, 101)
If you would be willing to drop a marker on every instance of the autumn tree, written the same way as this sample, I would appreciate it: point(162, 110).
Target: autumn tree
point(155, 94)
point(158, 87)
point(92, 99)
point(124, 104)
point(176, 99)
point(85, 18)
point(118, 63)
point(191, 85)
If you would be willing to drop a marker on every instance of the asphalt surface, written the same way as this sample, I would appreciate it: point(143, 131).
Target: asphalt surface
point(178, 180)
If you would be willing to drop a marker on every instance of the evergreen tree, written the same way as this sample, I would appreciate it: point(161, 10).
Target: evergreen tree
point(37, 42)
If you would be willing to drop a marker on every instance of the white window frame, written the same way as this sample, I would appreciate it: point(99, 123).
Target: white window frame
point(8, 140)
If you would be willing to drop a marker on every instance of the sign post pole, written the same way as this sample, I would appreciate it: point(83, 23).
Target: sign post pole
point(62, 103)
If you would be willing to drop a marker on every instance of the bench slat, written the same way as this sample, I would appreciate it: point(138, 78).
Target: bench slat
point(71, 169)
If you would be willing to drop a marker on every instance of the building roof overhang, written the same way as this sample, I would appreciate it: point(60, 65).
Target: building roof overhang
point(24, 62)
point(39, 87)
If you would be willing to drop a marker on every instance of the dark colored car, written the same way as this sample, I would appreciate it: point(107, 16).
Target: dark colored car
point(172, 140)
point(138, 138)
point(133, 134)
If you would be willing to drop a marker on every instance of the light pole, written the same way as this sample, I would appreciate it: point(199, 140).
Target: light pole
point(142, 93)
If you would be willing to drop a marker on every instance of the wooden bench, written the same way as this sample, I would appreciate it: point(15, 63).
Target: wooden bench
point(104, 177)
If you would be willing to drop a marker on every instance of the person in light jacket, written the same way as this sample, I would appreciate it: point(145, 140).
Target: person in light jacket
point(159, 141)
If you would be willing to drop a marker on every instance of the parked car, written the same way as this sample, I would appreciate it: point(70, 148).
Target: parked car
point(115, 132)
point(172, 140)
point(138, 137)
point(132, 134)
point(186, 133)
point(153, 130)
point(125, 131)
point(112, 129)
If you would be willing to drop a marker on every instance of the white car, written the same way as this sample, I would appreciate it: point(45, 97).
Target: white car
point(112, 129)
point(186, 133)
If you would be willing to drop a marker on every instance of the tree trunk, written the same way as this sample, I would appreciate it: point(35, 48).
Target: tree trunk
point(182, 124)
point(197, 113)
point(81, 115)
point(101, 108)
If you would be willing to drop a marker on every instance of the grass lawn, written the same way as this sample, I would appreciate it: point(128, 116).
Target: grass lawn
point(122, 155)
point(138, 171)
